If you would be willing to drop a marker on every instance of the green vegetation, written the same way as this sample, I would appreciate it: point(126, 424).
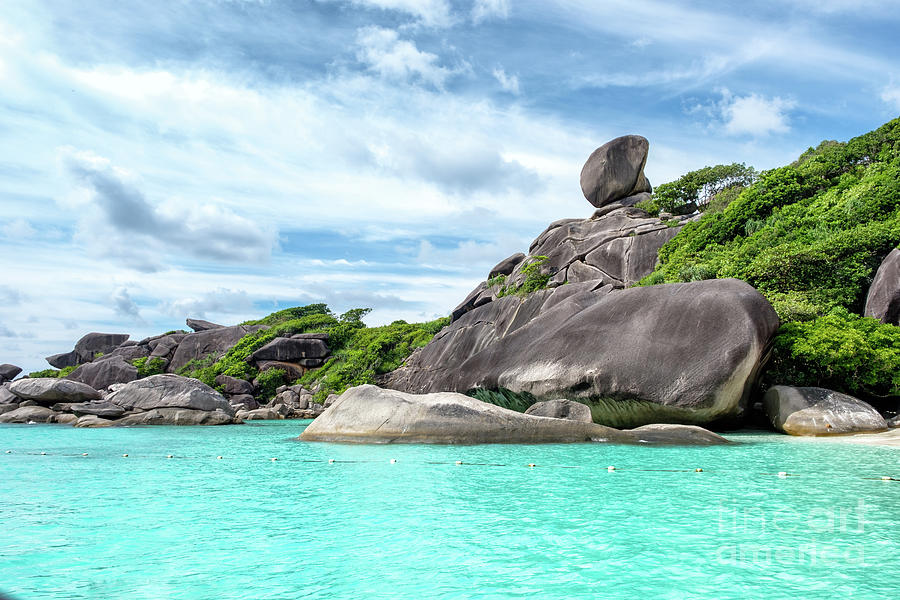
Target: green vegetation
point(535, 279)
point(52, 372)
point(810, 237)
point(149, 366)
point(708, 189)
point(358, 353)
point(368, 353)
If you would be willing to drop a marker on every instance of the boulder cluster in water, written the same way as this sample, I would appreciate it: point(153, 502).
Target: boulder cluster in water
point(561, 329)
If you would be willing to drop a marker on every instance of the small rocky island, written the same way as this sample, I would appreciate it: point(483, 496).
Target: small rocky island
point(556, 345)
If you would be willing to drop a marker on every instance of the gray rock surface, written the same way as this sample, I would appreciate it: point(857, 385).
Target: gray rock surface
point(259, 414)
point(292, 370)
point(243, 402)
point(233, 385)
point(92, 421)
point(6, 396)
point(65, 419)
point(506, 266)
point(883, 299)
point(6, 407)
point(291, 349)
point(103, 373)
point(894, 422)
point(819, 411)
point(676, 353)
point(201, 325)
point(561, 409)
point(176, 416)
point(8, 372)
point(29, 414)
point(61, 361)
point(49, 390)
point(215, 342)
point(373, 415)
point(101, 408)
point(94, 343)
point(170, 391)
point(615, 170)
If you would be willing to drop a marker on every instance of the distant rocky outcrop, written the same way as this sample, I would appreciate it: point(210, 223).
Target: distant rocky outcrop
point(883, 299)
point(201, 325)
point(210, 342)
point(370, 414)
point(8, 372)
point(104, 372)
point(87, 349)
point(169, 391)
point(48, 390)
point(684, 353)
point(818, 411)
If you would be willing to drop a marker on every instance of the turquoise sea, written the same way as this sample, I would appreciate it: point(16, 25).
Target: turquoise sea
point(421, 527)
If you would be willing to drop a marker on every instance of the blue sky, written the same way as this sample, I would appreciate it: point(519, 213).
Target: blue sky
point(221, 159)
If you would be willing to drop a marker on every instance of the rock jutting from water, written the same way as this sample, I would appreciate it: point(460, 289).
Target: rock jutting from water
point(369, 414)
point(818, 411)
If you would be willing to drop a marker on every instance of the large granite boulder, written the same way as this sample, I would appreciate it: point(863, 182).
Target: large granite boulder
point(6, 396)
point(49, 390)
point(92, 344)
point(63, 360)
point(201, 325)
point(176, 416)
point(883, 299)
point(259, 414)
point(615, 170)
point(170, 391)
point(100, 408)
point(818, 411)
point(103, 373)
point(6, 407)
point(30, 414)
point(165, 346)
point(215, 342)
point(233, 385)
point(373, 415)
point(291, 349)
point(506, 266)
point(677, 353)
point(8, 372)
point(561, 409)
point(89, 347)
point(92, 421)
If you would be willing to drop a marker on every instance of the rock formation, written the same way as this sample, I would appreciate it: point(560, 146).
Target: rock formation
point(615, 170)
point(883, 299)
point(8, 372)
point(686, 353)
point(373, 415)
point(818, 411)
point(48, 390)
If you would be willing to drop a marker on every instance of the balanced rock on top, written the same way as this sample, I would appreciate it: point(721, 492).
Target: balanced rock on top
point(615, 170)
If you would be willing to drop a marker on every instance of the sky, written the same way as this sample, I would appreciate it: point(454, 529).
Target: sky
point(222, 159)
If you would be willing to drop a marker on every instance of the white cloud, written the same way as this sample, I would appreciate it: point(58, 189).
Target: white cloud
point(891, 95)
point(220, 302)
point(434, 13)
point(483, 10)
point(19, 229)
point(509, 83)
point(751, 115)
point(383, 52)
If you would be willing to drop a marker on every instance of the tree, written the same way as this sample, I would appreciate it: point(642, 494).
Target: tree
point(695, 190)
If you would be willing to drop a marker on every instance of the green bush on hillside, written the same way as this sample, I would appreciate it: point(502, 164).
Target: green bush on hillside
point(369, 353)
point(810, 237)
point(535, 279)
point(703, 187)
point(149, 366)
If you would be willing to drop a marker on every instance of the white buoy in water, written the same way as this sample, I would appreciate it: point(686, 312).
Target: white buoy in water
point(43, 454)
point(532, 465)
point(218, 458)
point(169, 456)
point(124, 456)
point(886, 478)
point(610, 468)
point(782, 474)
point(459, 462)
point(330, 461)
point(393, 461)
point(698, 470)
point(84, 453)
point(9, 451)
point(274, 459)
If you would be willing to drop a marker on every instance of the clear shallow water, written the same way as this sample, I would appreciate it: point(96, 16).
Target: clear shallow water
point(191, 527)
